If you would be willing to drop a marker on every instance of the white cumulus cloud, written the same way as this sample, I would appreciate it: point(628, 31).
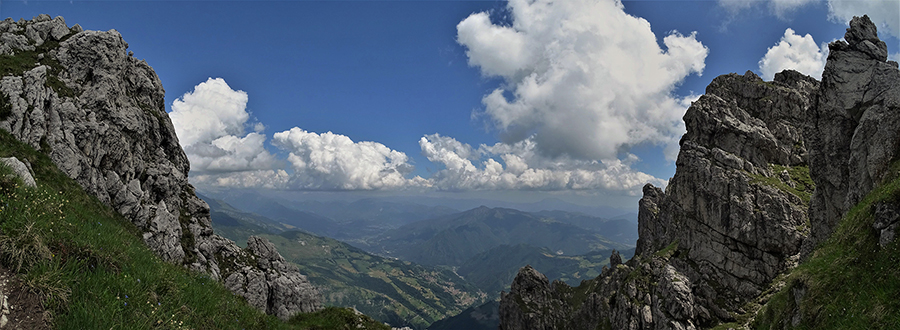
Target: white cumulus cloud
point(583, 79)
point(524, 169)
point(331, 161)
point(209, 122)
point(800, 53)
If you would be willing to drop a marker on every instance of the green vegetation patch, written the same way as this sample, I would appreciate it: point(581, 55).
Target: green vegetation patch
point(336, 318)
point(668, 251)
point(803, 185)
point(388, 290)
point(850, 282)
point(22, 61)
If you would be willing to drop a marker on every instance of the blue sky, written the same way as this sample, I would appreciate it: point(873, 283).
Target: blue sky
point(406, 87)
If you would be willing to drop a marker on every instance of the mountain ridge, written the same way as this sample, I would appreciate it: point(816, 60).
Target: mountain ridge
point(453, 239)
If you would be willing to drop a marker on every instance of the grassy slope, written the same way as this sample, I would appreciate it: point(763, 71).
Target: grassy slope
point(850, 282)
point(95, 272)
point(397, 290)
point(393, 291)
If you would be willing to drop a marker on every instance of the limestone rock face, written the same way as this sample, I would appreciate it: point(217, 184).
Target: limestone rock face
point(732, 218)
point(99, 114)
point(270, 291)
point(853, 138)
point(765, 171)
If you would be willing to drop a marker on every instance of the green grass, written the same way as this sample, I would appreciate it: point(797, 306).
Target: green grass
point(93, 270)
point(336, 318)
point(803, 184)
point(667, 251)
point(851, 282)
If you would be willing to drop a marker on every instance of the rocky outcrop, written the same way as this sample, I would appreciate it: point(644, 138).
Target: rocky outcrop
point(765, 172)
point(269, 290)
point(20, 170)
point(99, 113)
point(853, 136)
point(732, 218)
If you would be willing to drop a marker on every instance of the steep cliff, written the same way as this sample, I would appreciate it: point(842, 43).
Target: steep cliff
point(849, 278)
point(854, 137)
point(99, 113)
point(732, 218)
point(756, 159)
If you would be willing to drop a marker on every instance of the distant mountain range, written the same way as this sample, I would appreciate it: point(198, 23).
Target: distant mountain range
point(451, 240)
point(419, 271)
point(366, 223)
point(620, 230)
point(354, 222)
point(394, 291)
point(494, 269)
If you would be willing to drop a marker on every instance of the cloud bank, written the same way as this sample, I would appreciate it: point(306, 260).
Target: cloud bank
point(523, 168)
point(210, 122)
point(334, 162)
point(795, 52)
point(583, 79)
